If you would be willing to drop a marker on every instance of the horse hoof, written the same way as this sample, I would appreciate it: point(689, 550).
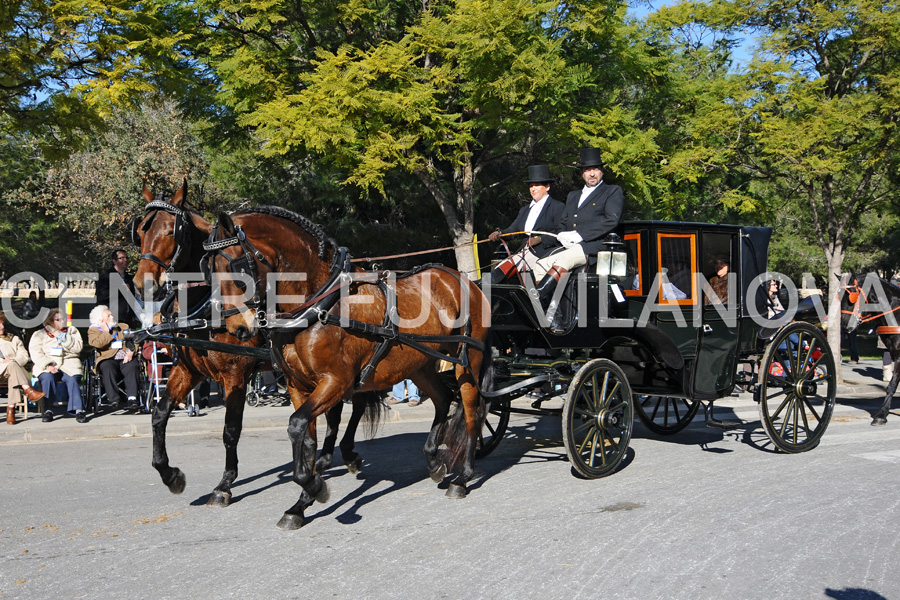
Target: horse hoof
point(324, 493)
point(219, 499)
point(323, 464)
point(354, 466)
point(878, 422)
point(456, 491)
point(290, 522)
point(438, 474)
point(178, 483)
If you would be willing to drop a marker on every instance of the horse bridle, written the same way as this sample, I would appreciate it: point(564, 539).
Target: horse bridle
point(181, 232)
point(321, 300)
point(245, 264)
point(857, 297)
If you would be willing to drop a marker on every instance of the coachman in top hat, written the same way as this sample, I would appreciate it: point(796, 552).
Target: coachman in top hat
point(543, 213)
point(591, 213)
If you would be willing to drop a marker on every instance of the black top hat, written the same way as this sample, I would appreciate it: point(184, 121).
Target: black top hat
point(539, 174)
point(590, 157)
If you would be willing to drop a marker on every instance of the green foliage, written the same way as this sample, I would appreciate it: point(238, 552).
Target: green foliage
point(94, 193)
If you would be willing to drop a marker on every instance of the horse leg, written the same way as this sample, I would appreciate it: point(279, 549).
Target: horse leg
point(181, 381)
point(302, 433)
point(361, 402)
point(473, 415)
point(893, 344)
point(333, 419)
point(428, 380)
point(231, 434)
point(881, 416)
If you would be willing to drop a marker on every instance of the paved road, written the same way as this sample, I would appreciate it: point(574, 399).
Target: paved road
point(703, 514)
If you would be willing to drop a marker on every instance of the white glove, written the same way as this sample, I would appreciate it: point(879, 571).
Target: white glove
point(569, 238)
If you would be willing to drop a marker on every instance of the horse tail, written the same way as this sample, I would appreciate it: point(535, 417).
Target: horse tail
point(455, 435)
point(374, 415)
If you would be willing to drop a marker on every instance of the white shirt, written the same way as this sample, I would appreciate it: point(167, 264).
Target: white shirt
point(534, 210)
point(587, 191)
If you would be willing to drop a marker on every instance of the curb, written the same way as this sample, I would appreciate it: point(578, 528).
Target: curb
point(211, 420)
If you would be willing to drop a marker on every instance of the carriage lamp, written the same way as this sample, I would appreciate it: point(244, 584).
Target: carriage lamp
point(613, 260)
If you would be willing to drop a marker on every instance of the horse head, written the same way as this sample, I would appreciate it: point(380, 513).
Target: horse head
point(248, 246)
point(851, 300)
point(169, 235)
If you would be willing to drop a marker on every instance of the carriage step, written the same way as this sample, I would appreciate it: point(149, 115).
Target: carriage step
point(711, 421)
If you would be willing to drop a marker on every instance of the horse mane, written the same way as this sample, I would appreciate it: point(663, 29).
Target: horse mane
point(313, 229)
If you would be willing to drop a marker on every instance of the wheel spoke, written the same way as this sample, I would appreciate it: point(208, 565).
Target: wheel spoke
point(580, 428)
point(586, 439)
point(786, 420)
point(812, 408)
point(787, 400)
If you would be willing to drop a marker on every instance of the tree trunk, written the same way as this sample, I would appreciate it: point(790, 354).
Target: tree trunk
point(459, 213)
point(835, 264)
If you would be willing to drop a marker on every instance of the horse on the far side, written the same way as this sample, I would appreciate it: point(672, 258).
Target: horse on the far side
point(876, 303)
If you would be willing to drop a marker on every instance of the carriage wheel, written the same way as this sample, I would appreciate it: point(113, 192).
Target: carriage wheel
point(797, 387)
point(665, 415)
point(494, 427)
point(598, 417)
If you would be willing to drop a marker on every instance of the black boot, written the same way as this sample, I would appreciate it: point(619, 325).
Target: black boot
point(548, 285)
point(497, 276)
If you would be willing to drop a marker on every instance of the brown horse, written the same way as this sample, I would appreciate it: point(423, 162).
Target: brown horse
point(171, 236)
point(327, 360)
point(875, 302)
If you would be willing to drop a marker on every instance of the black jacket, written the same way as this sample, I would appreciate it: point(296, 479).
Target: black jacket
point(548, 220)
point(599, 215)
point(124, 312)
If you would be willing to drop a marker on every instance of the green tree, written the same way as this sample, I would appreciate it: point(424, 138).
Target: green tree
point(471, 86)
point(64, 64)
point(813, 115)
point(94, 193)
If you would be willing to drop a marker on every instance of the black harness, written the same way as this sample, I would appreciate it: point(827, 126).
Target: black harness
point(324, 299)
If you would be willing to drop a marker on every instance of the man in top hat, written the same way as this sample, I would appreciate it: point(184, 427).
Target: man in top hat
point(591, 213)
point(543, 213)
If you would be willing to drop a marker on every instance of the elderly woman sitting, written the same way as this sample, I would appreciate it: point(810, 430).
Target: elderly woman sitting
point(55, 350)
point(114, 358)
point(13, 358)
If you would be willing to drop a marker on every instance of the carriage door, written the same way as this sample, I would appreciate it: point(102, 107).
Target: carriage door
point(720, 326)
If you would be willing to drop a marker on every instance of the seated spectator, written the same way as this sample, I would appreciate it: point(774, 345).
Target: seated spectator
point(55, 351)
point(13, 358)
point(114, 358)
point(32, 306)
point(399, 391)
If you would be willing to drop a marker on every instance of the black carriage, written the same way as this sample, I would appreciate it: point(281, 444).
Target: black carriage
point(641, 330)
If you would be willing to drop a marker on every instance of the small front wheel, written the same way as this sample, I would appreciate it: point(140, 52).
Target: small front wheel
point(494, 427)
point(598, 418)
point(665, 415)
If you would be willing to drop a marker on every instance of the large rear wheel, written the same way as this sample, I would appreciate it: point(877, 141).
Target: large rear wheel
point(598, 417)
point(797, 388)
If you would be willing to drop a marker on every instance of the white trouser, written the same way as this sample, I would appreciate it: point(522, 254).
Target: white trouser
point(568, 259)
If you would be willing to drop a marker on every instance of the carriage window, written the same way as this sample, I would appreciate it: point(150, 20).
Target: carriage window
point(632, 283)
point(677, 260)
point(717, 264)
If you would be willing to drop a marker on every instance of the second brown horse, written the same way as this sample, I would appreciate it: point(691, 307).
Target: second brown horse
point(324, 360)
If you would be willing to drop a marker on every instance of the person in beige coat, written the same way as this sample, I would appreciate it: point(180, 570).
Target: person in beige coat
point(13, 358)
point(115, 356)
point(55, 351)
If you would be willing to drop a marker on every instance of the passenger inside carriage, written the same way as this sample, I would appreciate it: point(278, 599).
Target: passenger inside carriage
point(719, 283)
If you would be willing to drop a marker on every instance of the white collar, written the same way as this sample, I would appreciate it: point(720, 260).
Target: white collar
point(538, 202)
